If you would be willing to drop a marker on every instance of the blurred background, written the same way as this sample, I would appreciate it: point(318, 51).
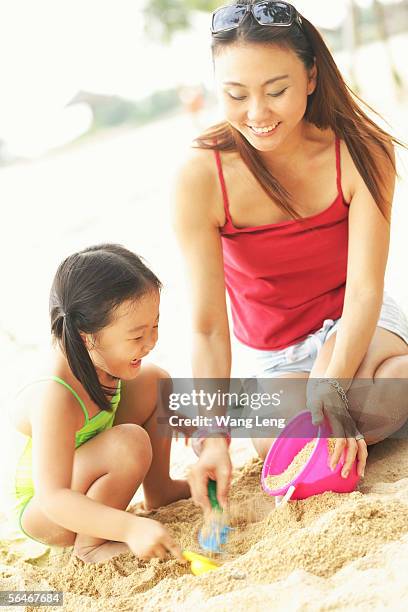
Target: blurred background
point(100, 100)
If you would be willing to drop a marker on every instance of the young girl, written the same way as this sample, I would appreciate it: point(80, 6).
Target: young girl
point(90, 426)
point(286, 203)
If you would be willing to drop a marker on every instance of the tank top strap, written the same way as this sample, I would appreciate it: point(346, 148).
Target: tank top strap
point(338, 168)
point(223, 185)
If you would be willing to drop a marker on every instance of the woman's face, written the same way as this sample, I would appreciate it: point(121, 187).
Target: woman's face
point(119, 347)
point(263, 90)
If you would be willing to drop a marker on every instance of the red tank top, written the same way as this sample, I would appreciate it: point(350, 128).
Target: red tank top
point(285, 279)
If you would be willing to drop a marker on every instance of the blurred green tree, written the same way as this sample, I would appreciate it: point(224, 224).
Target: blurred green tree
point(165, 17)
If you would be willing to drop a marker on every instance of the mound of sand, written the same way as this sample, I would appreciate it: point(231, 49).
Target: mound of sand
point(328, 552)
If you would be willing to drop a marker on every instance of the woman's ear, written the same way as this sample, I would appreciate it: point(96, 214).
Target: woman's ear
point(312, 79)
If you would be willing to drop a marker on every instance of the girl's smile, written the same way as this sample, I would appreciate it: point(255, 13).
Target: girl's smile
point(129, 338)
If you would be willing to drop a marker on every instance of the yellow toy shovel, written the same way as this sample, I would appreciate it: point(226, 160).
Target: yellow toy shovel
point(199, 563)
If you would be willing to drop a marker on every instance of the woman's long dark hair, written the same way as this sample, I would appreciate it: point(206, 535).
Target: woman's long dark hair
point(332, 105)
point(86, 289)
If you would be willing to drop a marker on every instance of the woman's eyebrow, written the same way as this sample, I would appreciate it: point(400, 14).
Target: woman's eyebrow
point(268, 82)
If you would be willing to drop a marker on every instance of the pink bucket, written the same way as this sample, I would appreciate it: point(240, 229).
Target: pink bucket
point(316, 476)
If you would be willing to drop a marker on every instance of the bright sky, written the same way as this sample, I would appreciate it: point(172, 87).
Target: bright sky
point(50, 49)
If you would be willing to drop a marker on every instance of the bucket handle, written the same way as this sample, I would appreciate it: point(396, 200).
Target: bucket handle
point(282, 501)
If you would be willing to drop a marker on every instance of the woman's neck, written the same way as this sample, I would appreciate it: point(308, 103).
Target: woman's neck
point(291, 151)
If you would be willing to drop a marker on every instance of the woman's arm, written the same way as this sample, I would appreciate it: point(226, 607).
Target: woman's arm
point(197, 223)
point(197, 229)
point(369, 236)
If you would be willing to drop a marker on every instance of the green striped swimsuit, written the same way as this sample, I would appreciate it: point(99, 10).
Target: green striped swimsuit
point(24, 486)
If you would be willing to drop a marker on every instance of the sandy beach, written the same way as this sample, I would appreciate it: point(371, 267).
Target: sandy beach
point(329, 552)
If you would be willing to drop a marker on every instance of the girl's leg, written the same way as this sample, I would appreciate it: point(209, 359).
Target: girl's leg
point(109, 468)
point(140, 404)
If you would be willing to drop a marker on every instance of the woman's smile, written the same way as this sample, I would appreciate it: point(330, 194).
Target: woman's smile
point(265, 131)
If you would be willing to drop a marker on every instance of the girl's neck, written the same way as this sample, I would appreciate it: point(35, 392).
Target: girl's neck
point(106, 379)
point(64, 371)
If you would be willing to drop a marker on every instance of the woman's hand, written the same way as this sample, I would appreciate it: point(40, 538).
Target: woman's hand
point(214, 463)
point(148, 538)
point(325, 399)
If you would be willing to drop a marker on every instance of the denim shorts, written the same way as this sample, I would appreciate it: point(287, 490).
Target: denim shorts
point(300, 357)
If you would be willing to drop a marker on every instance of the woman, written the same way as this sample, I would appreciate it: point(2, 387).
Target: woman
point(287, 203)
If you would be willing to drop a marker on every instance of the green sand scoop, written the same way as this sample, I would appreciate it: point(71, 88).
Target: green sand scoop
point(214, 533)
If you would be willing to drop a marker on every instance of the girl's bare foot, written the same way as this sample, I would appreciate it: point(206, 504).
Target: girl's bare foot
point(140, 509)
point(103, 552)
point(166, 494)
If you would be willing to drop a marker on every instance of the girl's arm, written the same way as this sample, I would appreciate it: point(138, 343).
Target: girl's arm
point(54, 423)
point(369, 236)
point(197, 228)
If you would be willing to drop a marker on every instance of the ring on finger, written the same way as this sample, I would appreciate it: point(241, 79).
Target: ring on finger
point(359, 437)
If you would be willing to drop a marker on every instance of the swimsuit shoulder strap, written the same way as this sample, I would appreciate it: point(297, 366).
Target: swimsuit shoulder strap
point(75, 394)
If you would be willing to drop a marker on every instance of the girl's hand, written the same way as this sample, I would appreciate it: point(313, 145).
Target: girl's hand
point(323, 399)
point(214, 463)
point(149, 539)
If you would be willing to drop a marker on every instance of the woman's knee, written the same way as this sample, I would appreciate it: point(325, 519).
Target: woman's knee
point(129, 444)
point(378, 406)
point(262, 446)
point(393, 367)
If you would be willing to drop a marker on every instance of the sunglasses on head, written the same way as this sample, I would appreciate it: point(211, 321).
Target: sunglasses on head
point(265, 12)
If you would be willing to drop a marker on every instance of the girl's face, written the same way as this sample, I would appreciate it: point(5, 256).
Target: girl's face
point(263, 90)
point(119, 348)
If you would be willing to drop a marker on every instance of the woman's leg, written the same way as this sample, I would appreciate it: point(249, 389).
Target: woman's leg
point(378, 401)
point(109, 468)
point(140, 403)
point(293, 404)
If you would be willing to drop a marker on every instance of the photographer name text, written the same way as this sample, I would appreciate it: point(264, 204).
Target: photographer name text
point(223, 421)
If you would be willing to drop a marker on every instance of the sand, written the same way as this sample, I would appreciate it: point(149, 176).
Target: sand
point(329, 552)
point(297, 463)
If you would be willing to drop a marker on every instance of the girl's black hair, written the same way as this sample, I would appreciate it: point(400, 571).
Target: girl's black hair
point(88, 286)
